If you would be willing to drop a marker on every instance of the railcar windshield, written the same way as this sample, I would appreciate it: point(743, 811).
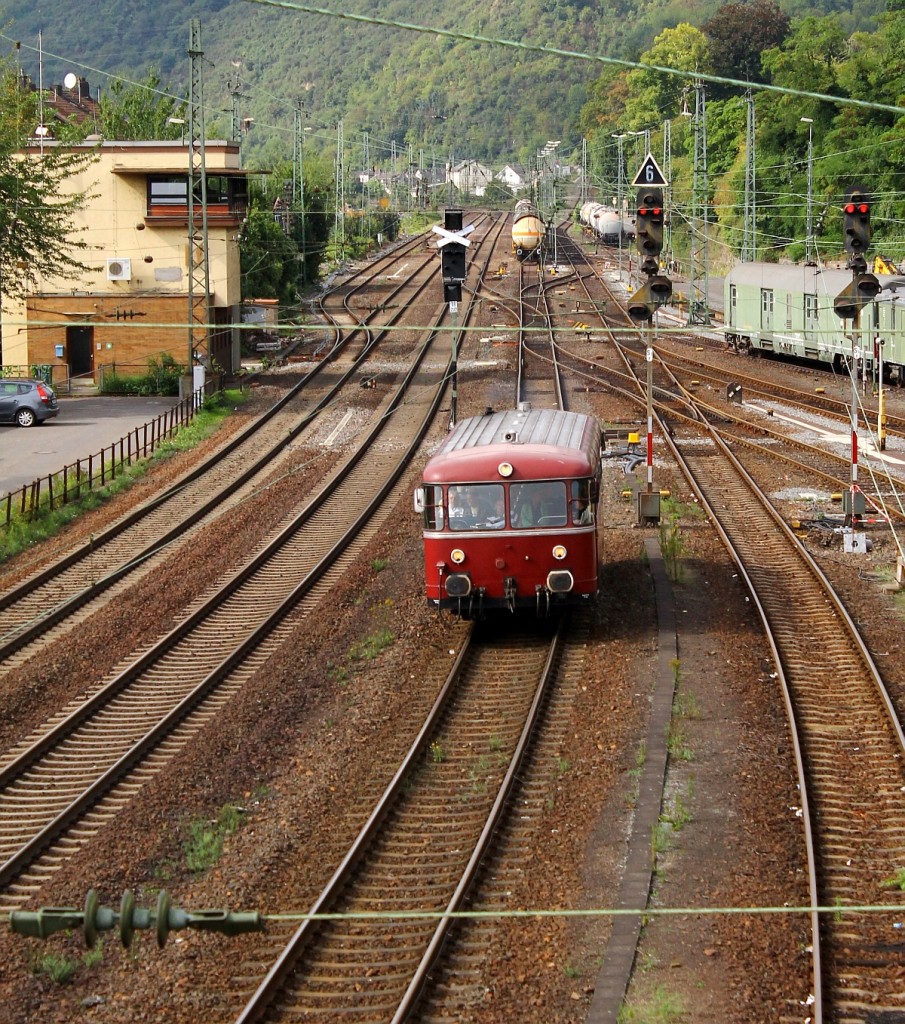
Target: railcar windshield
point(537, 504)
point(476, 507)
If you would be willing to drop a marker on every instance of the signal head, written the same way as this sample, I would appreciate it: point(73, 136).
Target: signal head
point(856, 229)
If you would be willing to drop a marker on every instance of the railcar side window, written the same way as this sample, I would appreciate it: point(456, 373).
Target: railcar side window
point(581, 503)
point(433, 507)
point(538, 504)
point(477, 507)
point(810, 309)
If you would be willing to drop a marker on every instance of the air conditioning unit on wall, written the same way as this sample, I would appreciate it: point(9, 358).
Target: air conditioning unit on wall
point(119, 270)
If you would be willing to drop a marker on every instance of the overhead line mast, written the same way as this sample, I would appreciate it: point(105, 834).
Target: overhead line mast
point(199, 264)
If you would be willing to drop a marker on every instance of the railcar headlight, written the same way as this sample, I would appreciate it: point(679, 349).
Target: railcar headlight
point(559, 552)
point(505, 469)
point(457, 556)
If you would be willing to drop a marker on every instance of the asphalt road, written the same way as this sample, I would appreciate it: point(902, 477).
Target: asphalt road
point(83, 427)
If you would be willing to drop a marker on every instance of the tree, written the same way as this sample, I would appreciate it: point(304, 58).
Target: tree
point(36, 206)
point(270, 261)
point(656, 95)
point(134, 112)
point(739, 33)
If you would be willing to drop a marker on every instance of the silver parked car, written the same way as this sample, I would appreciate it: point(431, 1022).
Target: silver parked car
point(25, 401)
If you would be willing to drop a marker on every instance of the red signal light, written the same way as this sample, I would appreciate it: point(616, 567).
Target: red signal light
point(848, 208)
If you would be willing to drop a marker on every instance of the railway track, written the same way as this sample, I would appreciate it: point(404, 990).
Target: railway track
point(58, 787)
point(69, 588)
point(849, 744)
point(383, 916)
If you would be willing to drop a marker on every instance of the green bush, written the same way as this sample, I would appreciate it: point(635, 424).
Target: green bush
point(162, 378)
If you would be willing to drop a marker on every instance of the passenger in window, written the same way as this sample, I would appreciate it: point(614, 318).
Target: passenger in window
point(582, 515)
point(552, 505)
point(497, 518)
point(526, 509)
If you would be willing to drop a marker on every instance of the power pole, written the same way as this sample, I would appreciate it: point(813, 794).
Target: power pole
point(698, 307)
point(339, 229)
point(667, 173)
point(199, 265)
point(298, 179)
point(749, 236)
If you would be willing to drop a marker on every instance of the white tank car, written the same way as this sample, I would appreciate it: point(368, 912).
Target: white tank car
point(606, 223)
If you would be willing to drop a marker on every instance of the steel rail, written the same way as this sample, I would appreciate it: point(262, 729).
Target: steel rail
point(269, 989)
point(28, 852)
point(58, 611)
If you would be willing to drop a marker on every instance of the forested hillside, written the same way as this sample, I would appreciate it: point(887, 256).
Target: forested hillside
point(403, 87)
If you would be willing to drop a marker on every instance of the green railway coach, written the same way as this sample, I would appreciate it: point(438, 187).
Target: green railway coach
point(787, 309)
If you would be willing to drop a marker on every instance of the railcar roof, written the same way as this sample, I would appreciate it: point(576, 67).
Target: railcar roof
point(564, 442)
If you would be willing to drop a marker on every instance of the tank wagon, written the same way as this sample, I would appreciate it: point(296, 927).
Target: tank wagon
point(788, 310)
point(605, 223)
point(528, 231)
point(509, 509)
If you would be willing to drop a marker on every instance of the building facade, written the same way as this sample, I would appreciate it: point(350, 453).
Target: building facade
point(132, 303)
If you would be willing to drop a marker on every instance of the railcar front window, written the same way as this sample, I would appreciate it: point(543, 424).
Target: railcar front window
point(538, 504)
point(476, 507)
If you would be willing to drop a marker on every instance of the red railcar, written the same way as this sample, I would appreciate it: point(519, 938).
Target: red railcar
point(509, 505)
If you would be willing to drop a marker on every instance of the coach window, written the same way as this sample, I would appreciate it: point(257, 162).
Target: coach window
point(433, 507)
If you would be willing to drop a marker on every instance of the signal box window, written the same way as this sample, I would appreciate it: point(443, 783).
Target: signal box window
point(476, 507)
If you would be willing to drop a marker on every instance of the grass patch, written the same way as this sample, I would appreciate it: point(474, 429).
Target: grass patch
point(204, 844)
point(372, 645)
point(61, 969)
point(659, 1007)
point(685, 705)
point(42, 523)
point(896, 882)
point(379, 638)
point(677, 744)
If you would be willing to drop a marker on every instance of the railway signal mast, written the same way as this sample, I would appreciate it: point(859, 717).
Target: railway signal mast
point(649, 223)
point(856, 231)
point(452, 245)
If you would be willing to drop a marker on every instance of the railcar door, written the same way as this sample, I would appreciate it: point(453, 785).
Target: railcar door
point(766, 309)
